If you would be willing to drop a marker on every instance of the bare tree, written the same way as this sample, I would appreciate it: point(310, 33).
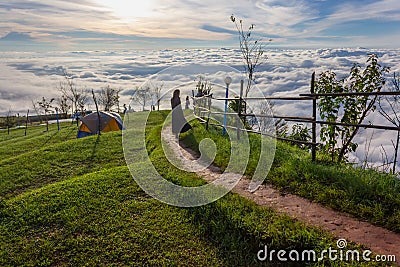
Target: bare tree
point(37, 109)
point(63, 104)
point(142, 95)
point(155, 94)
point(252, 50)
point(82, 100)
point(68, 90)
point(118, 91)
point(393, 103)
point(78, 98)
point(9, 121)
point(46, 107)
point(109, 97)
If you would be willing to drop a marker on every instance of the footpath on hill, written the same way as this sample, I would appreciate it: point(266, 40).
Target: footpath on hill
point(380, 240)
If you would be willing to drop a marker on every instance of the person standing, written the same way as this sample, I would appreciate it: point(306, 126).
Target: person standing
point(179, 123)
point(187, 104)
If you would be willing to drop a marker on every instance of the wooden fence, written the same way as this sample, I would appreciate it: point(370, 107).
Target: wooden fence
point(202, 105)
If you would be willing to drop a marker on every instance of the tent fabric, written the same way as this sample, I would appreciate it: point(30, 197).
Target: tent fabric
point(83, 134)
point(84, 128)
point(109, 121)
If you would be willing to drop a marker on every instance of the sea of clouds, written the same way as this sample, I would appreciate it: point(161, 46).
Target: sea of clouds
point(29, 76)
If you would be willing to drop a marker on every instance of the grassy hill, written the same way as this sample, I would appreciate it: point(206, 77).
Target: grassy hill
point(366, 194)
point(73, 202)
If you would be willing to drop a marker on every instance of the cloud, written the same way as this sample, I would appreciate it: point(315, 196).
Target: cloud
point(288, 13)
point(307, 64)
point(29, 76)
point(285, 71)
point(118, 76)
point(345, 53)
point(217, 29)
point(15, 36)
point(356, 11)
point(87, 74)
point(387, 10)
point(98, 24)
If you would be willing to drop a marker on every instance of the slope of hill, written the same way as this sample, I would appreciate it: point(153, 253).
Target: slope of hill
point(73, 202)
point(366, 194)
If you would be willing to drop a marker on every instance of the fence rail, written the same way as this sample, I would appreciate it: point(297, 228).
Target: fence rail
point(270, 98)
point(351, 94)
point(312, 96)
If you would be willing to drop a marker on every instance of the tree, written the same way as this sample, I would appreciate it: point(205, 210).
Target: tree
point(155, 94)
point(234, 105)
point(109, 97)
point(46, 107)
point(63, 104)
point(37, 110)
point(252, 51)
point(142, 95)
point(81, 100)
point(203, 87)
point(392, 115)
point(329, 111)
point(78, 98)
point(300, 132)
point(203, 96)
point(9, 121)
point(350, 110)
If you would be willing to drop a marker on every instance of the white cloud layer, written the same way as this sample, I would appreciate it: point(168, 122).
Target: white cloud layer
point(29, 76)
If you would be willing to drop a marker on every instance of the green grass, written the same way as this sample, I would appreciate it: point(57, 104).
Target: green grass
point(74, 203)
point(366, 194)
point(101, 218)
point(59, 161)
point(17, 143)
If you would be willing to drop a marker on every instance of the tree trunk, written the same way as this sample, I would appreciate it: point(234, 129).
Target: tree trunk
point(364, 114)
point(346, 145)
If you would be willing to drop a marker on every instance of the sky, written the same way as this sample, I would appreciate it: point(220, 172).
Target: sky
point(32, 25)
point(123, 44)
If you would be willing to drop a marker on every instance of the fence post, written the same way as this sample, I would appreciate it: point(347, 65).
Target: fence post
point(239, 110)
point(198, 105)
point(209, 111)
point(314, 120)
point(26, 122)
point(98, 114)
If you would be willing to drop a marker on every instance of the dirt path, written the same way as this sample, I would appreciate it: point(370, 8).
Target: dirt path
point(380, 240)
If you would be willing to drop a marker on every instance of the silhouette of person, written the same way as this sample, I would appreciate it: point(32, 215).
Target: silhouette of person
point(179, 123)
point(187, 102)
